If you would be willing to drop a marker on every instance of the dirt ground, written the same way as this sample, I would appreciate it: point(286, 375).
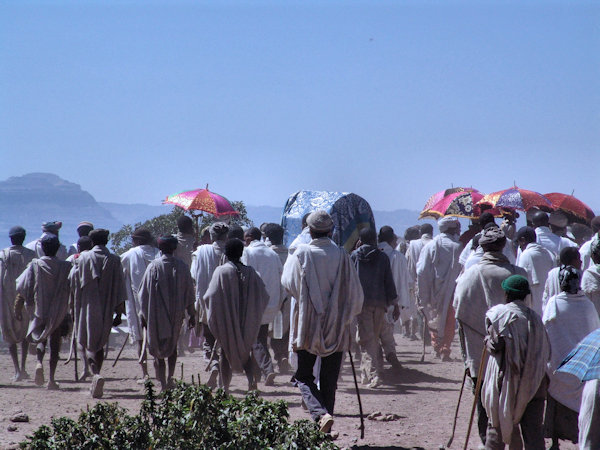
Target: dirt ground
point(422, 394)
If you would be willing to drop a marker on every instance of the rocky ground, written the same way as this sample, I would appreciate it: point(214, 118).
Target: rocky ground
point(420, 399)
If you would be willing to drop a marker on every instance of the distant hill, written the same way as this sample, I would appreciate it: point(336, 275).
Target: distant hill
point(34, 198)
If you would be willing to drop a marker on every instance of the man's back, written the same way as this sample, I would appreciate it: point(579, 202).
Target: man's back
point(374, 272)
point(537, 261)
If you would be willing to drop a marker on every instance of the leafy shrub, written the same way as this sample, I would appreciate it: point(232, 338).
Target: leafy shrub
point(188, 417)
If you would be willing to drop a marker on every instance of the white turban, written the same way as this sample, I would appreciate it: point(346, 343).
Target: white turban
point(447, 223)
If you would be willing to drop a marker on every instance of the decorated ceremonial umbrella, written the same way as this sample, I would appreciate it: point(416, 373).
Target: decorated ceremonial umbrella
point(516, 198)
point(202, 200)
point(435, 198)
point(584, 359)
point(457, 204)
point(571, 205)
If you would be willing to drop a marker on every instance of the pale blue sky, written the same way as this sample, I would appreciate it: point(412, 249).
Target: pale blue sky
point(393, 100)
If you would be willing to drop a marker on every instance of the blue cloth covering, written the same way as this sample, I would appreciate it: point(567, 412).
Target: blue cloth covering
point(584, 360)
point(350, 213)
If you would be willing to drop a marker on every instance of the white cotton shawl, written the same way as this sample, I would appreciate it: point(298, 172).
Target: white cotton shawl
point(568, 318)
point(590, 285)
point(513, 376)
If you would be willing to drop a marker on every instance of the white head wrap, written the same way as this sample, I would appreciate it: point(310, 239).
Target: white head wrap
point(319, 221)
point(447, 223)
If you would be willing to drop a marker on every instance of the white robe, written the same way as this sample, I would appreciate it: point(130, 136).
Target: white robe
point(36, 246)
point(302, 238)
point(401, 279)
point(589, 416)
point(551, 288)
point(205, 260)
point(322, 278)
point(537, 261)
point(585, 251)
point(268, 266)
point(437, 270)
point(469, 250)
point(513, 376)
point(568, 318)
point(590, 285)
point(552, 242)
point(134, 262)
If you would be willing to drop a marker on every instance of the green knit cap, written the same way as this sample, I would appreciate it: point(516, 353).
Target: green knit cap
point(516, 284)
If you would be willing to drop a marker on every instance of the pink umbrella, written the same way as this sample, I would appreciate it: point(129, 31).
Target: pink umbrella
point(202, 200)
point(440, 195)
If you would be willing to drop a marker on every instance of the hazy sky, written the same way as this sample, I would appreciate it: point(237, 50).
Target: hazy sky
point(393, 100)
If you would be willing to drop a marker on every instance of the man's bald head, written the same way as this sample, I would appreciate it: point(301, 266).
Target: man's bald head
point(540, 219)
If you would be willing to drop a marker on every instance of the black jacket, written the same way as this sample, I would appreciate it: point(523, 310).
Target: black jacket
point(375, 276)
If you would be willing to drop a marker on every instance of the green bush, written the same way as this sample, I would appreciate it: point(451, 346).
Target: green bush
point(188, 417)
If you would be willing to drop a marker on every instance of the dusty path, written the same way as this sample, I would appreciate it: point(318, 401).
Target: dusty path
point(423, 395)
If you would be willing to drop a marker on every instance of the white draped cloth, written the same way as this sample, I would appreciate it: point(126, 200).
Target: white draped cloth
point(469, 250)
point(552, 286)
point(513, 376)
point(590, 285)
point(205, 260)
point(134, 262)
point(537, 261)
point(302, 238)
point(552, 242)
point(13, 261)
point(437, 270)
point(568, 318)
point(268, 266)
point(45, 286)
point(589, 416)
point(585, 251)
point(477, 290)
point(322, 278)
point(36, 246)
point(401, 279)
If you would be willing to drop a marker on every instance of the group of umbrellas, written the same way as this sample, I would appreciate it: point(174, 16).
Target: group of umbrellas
point(469, 203)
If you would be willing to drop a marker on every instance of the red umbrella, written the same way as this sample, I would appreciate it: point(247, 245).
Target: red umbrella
point(571, 205)
point(202, 200)
point(516, 198)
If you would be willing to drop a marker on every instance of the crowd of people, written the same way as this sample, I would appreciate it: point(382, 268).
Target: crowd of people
point(520, 301)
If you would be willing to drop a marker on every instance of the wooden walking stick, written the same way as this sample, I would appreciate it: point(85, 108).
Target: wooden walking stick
point(360, 409)
point(144, 346)
point(462, 386)
point(482, 365)
point(121, 350)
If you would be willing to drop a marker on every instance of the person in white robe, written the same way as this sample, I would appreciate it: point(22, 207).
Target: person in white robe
point(235, 302)
point(43, 288)
point(302, 238)
point(387, 241)
point(569, 256)
point(205, 260)
point(48, 228)
point(471, 247)
point(437, 270)
point(98, 297)
point(320, 275)
point(537, 261)
point(134, 262)
point(13, 261)
point(585, 249)
point(166, 293)
point(412, 257)
point(545, 237)
point(281, 324)
point(477, 290)
point(589, 416)
point(186, 240)
point(590, 281)
point(568, 318)
point(83, 229)
point(268, 266)
point(514, 388)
